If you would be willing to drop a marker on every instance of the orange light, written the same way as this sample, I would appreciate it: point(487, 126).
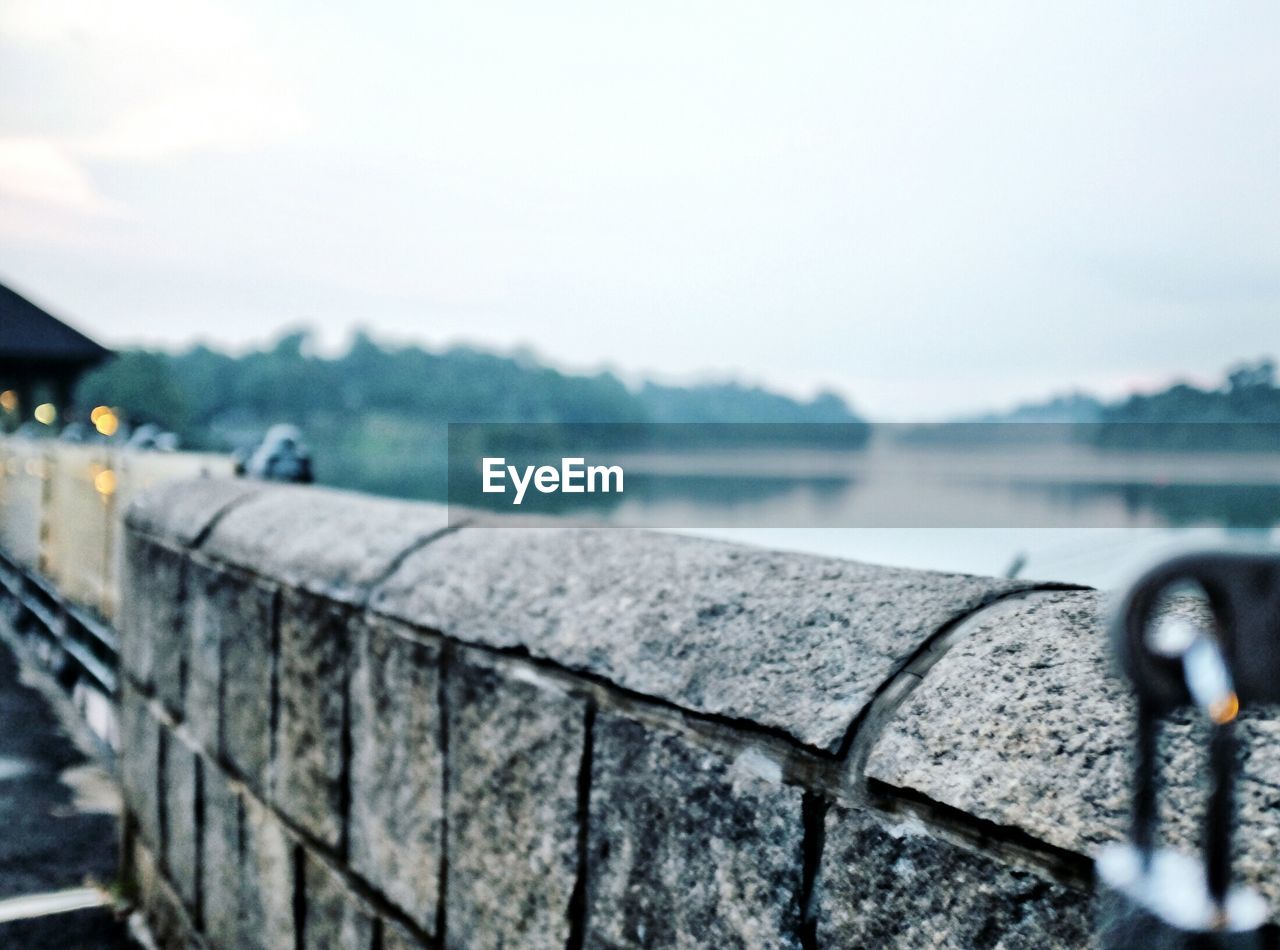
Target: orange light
point(98, 412)
point(105, 482)
point(106, 421)
point(1226, 709)
point(8, 400)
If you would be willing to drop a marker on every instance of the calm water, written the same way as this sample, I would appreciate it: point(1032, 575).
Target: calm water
point(1100, 557)
point(1059, 512)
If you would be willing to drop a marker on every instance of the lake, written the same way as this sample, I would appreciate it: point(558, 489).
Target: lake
point(1055, 512)
point(1052, 509)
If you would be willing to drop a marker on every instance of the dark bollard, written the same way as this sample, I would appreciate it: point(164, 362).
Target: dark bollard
point(282, 456)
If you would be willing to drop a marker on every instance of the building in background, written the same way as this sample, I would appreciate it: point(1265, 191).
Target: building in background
point(40, 360)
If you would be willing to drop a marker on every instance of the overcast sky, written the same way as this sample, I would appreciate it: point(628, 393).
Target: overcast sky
point(930, 207)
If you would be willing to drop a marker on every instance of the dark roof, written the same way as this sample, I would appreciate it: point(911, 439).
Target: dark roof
point(27, 332)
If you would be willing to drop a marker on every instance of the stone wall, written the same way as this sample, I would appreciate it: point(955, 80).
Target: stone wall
point(345, 724)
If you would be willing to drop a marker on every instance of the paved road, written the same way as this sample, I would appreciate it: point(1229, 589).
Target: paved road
point(57, 821)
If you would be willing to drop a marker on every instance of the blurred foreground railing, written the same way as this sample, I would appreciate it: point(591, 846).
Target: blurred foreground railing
point(61, 553)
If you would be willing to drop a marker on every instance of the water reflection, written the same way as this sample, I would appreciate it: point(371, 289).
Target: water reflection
point(892, 485)
point(979, 499)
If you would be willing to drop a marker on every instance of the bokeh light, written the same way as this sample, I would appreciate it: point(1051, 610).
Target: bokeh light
point(105, 482)
point(106, 421)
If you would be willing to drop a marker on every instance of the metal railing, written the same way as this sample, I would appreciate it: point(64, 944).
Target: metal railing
point(62, 548)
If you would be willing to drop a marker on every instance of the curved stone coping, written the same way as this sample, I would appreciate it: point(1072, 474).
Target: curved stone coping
point(1026, 723)
point(332, 543)
point(181, 511)
point(793, 643)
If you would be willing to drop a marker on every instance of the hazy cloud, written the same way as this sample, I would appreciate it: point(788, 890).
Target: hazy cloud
point(40, 171)
point(931, 207)
point(164, 77)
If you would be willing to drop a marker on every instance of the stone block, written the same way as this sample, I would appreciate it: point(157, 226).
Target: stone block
point(794, 642)
point(1025, 723)
point(1022, 717)
point(515, 755)
point(887, 883)
point(397, 770)
point(331, 543)
point(139, 763)
point(229, 688)
point(317, 639)
point(687, 849)
point(203, 699)
point(221, 850)
point(336, 918)
point(152, 635)
point(170, 927)
point(181, 803)
point(267, 881)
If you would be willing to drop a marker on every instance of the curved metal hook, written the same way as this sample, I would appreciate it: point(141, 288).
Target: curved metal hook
point(1240, 664)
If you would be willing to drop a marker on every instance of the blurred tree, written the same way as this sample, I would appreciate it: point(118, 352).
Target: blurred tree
point(378, 411)
point(143, 386)
point(1242, 413)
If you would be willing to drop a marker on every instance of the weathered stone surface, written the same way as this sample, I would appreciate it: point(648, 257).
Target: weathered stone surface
point(397, 769)
point(316, 643)
point(202, 703)
point(336, 917)
point(137, 653)
point(229, 687)
point(181, 843)
point(220, 880)
point(893, 884)
point(179, 511)
point(267, 881)
point(139, 763)
point(203, 700)
point(686, 849)
point(396, 937)
point(168, 922)
point(247, 882)
point(1026, 723)
point(515, 755)
point(152, 637)
point(1023, 722)
point(796, 642)
point(327, 542)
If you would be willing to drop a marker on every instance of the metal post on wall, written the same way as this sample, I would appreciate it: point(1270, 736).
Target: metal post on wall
point(1156, 897)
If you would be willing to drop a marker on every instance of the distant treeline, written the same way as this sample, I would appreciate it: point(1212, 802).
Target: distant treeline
point(375, 415)
point(202, 392)
point(1241, 413)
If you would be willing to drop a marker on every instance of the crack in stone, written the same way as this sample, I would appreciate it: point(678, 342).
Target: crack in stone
point(814, 818)
point(1007, 843)
point(868, 725)
point(442, 705)
point(577, 909)
point(299, 897)
point(398, 560)
point(202, 535)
